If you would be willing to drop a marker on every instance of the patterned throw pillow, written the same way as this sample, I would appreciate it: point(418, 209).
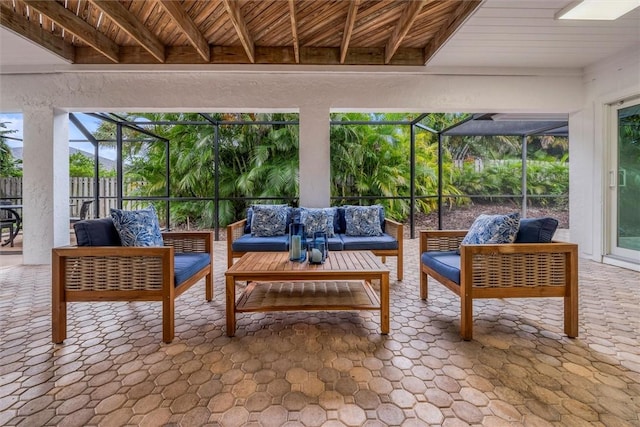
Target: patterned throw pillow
point(362, 220)
point(269, 220)
point(320, 219)
point(493, 229)
point(138, 228)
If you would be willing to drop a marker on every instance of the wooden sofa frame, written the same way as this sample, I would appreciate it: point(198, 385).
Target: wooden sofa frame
point(116, 273)
point(517, 270)
point(392, 228)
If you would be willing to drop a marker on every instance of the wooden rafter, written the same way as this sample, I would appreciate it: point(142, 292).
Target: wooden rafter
point(409, 15)
point(392, 32)
point(294, 30)
point(233, 9)
point(33, 31)
point(129, 24)
point(456, 19)
point(188, 27)
point(348, 29)
point(77, 26)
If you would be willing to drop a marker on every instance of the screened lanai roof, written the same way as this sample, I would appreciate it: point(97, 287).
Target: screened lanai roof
point(510, 125)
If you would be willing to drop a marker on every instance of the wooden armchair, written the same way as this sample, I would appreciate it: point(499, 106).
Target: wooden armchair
point(516, 270)
point(116, 273)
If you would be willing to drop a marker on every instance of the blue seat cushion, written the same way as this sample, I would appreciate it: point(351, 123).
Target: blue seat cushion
point(97, 232)
point(186, 265)
point(364, 243)
point(335, 243)
point(249, 243)
point(446, 263)
point(536, 230)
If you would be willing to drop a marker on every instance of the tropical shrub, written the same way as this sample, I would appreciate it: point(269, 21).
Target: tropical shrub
point(544, 178)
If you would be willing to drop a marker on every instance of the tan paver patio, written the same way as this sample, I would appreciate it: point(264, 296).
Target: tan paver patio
point(323, 368)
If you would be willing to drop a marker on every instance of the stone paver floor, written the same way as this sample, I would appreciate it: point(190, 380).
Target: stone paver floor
point(323, 368)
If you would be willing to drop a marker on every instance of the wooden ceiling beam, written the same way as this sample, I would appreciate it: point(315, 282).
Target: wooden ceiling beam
point(77, 26)
point(455, 20)
point(348, 29)
point(34, 32)
point(188, 27)
point(409, 15)
point(294, 30)
point(264, 55)
point(129, 24)
point(233, 9)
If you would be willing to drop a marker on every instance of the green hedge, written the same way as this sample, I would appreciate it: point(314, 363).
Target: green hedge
point(544, 178)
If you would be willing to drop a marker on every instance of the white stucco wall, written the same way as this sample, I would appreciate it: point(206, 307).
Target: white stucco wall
point(45, 187)
point(227, 91)
point(612, 80)
point(313, 93)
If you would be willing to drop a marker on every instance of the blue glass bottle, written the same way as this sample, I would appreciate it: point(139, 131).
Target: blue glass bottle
point(318, 247)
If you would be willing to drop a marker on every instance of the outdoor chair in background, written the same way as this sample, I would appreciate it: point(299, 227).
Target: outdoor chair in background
point(84, 211)
point(8, 221)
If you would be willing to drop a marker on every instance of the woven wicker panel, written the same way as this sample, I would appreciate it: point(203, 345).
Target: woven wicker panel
point(237, 232)
point(519, 270)
point(444, 243)
point(113, 273)
point(183, 244)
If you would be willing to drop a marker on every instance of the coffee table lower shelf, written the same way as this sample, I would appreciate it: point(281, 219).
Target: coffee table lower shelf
point(308, 296)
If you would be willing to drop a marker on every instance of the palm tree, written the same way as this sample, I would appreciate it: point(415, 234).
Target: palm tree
point(255, 161)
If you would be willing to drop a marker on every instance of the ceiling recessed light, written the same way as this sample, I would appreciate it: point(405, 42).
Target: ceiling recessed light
point(607, 10)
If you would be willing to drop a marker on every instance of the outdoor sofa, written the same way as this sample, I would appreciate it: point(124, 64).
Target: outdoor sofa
point(533, 266)
point(242, 239)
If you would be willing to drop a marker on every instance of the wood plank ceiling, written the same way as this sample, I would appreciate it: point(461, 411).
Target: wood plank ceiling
point(320, 32)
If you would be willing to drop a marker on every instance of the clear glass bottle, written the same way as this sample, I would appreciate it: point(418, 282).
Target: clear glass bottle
point(297, 242)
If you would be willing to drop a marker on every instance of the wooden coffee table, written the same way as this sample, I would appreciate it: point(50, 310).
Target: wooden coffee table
point(341, 270)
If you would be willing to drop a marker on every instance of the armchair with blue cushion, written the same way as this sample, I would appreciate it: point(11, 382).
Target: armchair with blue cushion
point(101, 269)
point(531, 266)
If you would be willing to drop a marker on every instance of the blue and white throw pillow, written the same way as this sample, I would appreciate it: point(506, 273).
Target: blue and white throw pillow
point(487, 229)
point(320, 219)
point(362, 221)
point(138, 228)
point(269, 220)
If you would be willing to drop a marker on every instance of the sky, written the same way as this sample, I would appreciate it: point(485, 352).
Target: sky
point(14, 121)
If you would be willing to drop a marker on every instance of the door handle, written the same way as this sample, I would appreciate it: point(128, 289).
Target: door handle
point(612, 179)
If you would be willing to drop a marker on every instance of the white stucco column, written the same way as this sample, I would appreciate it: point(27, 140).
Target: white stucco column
point(45, 188)
point(315, 168)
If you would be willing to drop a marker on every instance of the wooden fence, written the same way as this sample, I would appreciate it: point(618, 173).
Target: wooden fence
point(80, 189)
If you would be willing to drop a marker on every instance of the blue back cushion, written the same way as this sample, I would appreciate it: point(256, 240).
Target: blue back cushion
point(96, 232)
point(247, 225)
point(536, 230)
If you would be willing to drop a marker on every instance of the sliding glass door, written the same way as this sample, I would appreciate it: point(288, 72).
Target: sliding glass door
point(624, 182)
